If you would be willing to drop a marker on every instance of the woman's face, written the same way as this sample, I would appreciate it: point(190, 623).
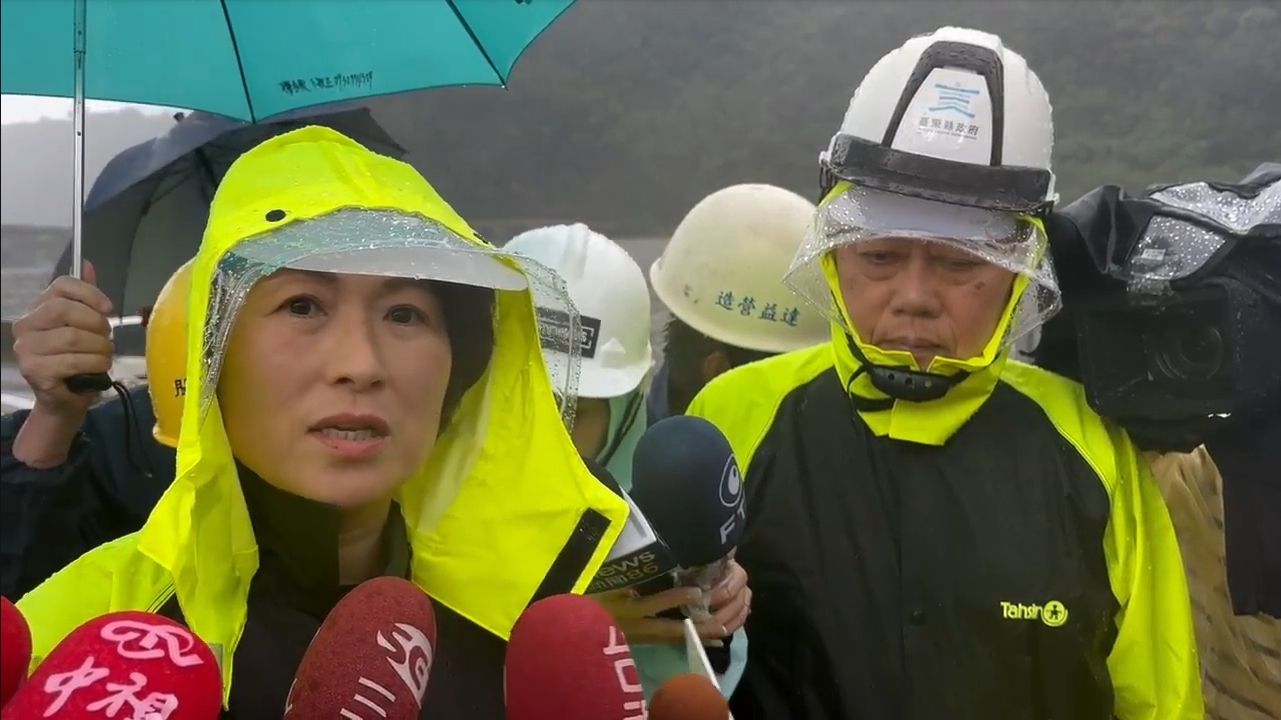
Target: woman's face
point(926, 298)
point(332, 385)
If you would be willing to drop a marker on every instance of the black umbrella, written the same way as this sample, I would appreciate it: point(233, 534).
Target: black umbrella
point(147, 210)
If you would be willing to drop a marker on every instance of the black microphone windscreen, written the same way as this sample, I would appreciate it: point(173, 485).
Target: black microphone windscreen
point(687, 483)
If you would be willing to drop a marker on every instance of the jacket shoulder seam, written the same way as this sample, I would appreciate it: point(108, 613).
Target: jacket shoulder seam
point(1064, 404)
point(759, 390)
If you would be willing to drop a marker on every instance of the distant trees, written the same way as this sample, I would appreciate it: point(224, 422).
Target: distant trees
point(627, 112)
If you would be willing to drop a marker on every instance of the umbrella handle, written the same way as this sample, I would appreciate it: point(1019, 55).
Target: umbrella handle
point(89, 383)
point(78, 148)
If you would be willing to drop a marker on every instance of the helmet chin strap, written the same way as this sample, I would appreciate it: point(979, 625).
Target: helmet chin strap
point(898, 382)
point(631, 412)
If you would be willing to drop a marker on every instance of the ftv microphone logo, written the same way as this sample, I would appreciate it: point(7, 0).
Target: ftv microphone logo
point(731, 484)
point(731, 493)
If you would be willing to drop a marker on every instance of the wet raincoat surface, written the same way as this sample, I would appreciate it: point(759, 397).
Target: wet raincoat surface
point(999, 552)
point(503, 512)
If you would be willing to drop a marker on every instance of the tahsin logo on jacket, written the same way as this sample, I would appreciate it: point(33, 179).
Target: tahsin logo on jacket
point(1053, 613)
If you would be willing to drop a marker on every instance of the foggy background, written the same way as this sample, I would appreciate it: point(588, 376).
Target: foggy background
point(626, 112)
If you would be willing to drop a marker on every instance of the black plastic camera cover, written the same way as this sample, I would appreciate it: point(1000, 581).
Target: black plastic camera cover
point(1173, 350)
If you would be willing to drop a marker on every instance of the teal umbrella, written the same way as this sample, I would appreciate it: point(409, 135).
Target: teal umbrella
point(252, 59)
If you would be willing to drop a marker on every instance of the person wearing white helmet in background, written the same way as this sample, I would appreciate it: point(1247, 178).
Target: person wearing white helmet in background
point(936, 530)
point(608, 289)
point(721, 278)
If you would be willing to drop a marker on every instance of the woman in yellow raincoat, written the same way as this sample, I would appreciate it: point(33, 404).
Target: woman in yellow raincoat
point(366, 397)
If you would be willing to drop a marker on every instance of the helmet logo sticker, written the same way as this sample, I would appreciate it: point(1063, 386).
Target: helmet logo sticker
point(949, 117)
point(954, 99)
point(951, 112)
point(588, 335)
point(555, 328)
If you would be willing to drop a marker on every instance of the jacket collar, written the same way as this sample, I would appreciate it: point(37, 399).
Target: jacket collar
point(298, 545)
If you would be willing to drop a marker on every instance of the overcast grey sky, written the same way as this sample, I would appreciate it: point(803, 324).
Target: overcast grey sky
point(28, 108)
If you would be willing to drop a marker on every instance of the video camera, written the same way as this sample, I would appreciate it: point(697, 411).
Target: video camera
point(1172, 305)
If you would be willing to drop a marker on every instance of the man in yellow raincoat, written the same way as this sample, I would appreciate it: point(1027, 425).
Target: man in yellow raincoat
point(366, 396)
point(934, 529)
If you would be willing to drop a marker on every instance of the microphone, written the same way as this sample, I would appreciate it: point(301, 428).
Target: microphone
point(688, 697)
point(371, 658)
point(126, 664)
point(15, 649)
point(686, 481)
point(638, 555)
point(568, 660)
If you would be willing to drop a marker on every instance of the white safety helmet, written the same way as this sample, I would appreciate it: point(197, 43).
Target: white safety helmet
point(947, 139)
point(608, 289)
point(722, 272)
point(953, 116)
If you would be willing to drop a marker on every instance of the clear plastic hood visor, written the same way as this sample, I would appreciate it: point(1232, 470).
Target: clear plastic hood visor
point(390, 243)
point(854, 215)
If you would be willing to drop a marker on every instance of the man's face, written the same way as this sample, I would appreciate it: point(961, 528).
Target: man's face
point(923, 297)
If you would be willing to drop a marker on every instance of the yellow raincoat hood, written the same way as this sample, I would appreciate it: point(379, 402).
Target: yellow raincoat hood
point(503, 492)
point(931, 422)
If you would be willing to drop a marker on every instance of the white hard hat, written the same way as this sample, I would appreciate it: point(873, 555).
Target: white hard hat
point(722, 272)
point(608, 289)
point(953, 116)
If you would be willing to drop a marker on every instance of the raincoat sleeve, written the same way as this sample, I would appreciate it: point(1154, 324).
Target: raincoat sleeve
point(113, 476)
point(1154, 665)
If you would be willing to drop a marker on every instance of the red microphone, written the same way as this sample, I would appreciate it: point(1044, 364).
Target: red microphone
point(567, 660)
point(688, 697)
point(15, 649)
point(124, 665)
point(371, 657)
